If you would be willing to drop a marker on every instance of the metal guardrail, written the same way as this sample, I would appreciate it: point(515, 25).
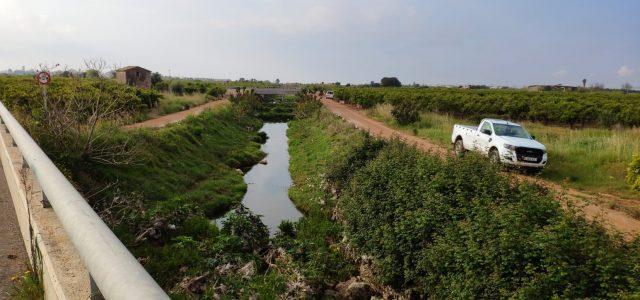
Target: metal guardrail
point(113, 268)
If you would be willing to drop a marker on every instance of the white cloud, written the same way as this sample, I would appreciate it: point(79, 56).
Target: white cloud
point(625, 71)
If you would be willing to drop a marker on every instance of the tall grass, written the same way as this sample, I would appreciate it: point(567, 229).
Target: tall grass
point(594, 159)
point(171, 103)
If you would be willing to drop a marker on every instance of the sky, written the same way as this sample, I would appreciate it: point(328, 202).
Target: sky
point(495, 42)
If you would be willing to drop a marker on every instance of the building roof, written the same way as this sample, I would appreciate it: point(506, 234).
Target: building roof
point(127, 68)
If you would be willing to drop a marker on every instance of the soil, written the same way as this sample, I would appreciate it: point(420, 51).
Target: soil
point(593, 205)
point(13, 255)
point(176, 117)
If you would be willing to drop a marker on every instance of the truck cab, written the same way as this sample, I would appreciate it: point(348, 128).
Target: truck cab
point(502, 141)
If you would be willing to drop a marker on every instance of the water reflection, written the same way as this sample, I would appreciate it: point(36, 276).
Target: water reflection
point(268, 185)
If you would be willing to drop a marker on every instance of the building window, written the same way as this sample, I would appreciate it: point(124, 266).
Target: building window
point(137, 74)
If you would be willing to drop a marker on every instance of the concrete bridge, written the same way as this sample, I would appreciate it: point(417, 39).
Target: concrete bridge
point(46, 223)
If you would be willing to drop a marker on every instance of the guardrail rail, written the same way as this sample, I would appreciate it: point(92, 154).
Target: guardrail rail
point(115, 271)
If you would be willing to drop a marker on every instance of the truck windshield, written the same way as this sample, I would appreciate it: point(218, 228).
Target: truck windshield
point(511, 130)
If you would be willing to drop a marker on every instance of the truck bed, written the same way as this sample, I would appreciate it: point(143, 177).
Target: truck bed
point(467, 126)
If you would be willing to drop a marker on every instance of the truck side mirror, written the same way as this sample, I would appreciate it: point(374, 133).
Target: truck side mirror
point(533, 137)
point(486, 131)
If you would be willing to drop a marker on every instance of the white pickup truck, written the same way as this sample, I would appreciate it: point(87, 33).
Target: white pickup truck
point(503, 141)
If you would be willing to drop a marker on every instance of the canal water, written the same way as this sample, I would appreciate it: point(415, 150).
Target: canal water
point(268, 185)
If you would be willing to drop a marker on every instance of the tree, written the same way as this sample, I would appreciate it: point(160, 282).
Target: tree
point(584, 83)
point(92, 73)
point(626, 87)
point(390, 81)
point(155, 78)
point(277, 81)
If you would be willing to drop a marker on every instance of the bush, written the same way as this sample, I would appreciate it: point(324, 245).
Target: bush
point(633, 173)
point(177, 87)
point(307, 106)
point(406, 112)
point(216, 91)
point(149, 98)
point(459, 229)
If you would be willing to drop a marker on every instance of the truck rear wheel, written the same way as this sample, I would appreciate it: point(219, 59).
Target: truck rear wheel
point(458, 147)
point(494, 156)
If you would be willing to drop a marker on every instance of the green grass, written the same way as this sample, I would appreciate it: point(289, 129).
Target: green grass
point(171, 103)
point(184, 175)
point(313, 142)
point(592, 159)
point(27, 286)
point(195, 160)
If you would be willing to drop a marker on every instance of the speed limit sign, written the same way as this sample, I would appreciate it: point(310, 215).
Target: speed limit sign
point(43, 77)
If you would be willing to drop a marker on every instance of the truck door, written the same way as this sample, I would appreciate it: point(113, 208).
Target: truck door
point(484, 137)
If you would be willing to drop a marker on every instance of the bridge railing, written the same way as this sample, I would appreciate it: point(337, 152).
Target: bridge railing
point(114, 270)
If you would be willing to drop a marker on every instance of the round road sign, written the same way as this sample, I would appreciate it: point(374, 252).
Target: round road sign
point(43, 77)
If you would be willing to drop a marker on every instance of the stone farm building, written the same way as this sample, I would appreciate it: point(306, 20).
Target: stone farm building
point(135, 76)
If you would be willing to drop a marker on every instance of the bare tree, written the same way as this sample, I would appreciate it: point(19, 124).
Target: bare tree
point(72, 120)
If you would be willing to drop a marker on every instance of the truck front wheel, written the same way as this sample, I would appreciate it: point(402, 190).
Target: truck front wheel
point(494, 156)
point(458, 147)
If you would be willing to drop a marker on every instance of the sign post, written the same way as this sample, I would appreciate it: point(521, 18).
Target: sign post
point(44, 78)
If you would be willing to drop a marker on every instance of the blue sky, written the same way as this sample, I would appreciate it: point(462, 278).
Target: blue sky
point(431, 42)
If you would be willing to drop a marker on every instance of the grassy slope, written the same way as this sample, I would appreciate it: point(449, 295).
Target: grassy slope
point(312, 143)
point(195, 160)
point(593, 159)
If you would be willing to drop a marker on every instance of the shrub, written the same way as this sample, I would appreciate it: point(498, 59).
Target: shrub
point(459, 229)
point(216, 91)
point(248, 227)
point(149, 97)
point(633, 173)
point(177, 87)
point(307, 106)
point(406, 112)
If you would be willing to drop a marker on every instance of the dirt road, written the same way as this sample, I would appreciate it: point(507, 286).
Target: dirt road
point(176, 117)
point(589, 203)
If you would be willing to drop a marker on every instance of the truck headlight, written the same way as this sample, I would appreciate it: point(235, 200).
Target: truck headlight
point(510, 147)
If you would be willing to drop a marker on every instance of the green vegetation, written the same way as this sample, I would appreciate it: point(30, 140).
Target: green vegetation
point(313, 142)
point(171, 103)
point(22, 94)
point(633, 173)
point(406, 112)
point(457, 228)
point(27, 286)
point(581, 108)
point(609, 150)
point(454, 228)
